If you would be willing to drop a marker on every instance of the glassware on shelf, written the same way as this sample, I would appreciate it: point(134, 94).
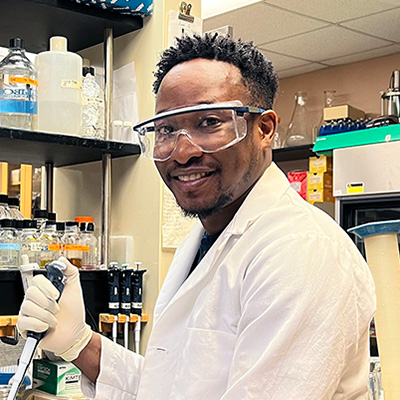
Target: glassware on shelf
point(329, 101)
point(299, 131)
point(279, 137)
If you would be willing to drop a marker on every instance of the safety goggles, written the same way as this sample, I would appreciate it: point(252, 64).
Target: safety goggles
point(210, 127)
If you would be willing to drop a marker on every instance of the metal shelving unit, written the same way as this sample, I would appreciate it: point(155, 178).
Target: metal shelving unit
point(36, 21)
point(293, 153)
point(40, 148)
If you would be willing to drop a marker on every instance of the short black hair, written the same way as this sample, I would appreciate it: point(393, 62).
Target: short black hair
point(257, 71)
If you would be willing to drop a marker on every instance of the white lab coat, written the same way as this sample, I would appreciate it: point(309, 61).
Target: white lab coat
point(279, 309)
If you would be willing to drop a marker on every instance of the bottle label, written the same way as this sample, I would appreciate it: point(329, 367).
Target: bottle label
point(76, 247)
point(54, 247)
point(9, 246)
point(34, 246)
point(71, 84)
point(18, 94)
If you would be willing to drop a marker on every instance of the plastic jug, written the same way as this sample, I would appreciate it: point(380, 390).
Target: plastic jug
point(60, 87)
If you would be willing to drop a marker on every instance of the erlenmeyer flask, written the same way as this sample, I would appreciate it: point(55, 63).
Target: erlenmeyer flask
point(299, 131)
point(329, 101)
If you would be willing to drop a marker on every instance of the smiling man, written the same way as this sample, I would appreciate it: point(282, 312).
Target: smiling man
point(267, 298)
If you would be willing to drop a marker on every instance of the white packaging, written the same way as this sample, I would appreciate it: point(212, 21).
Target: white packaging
point(59, 91)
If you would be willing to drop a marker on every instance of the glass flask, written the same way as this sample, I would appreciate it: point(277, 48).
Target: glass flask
point(299, 131)
point(279, 136)
point(329, 101)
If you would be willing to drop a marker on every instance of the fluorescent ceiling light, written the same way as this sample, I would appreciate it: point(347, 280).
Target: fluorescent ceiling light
point(210, 8)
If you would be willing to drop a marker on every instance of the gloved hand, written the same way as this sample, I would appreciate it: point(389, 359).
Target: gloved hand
point(68, 333)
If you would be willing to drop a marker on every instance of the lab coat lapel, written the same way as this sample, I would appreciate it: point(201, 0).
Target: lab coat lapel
point(179, 270)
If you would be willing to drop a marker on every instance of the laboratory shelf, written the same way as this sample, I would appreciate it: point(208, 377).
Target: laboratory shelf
point(293, 153)
point(36, 21)
point(384, 134)
point(39, 148)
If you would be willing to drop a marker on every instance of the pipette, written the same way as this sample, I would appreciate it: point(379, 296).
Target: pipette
point(57, 278)
point(125, 287)
point(113, 296)
point(137, 301)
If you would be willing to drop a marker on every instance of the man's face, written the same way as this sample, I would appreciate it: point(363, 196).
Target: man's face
point(204, 184)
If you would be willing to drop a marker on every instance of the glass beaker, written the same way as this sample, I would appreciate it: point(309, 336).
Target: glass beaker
point(299, 131)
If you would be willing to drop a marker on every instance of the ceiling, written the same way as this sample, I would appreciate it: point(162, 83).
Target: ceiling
point(301, 36)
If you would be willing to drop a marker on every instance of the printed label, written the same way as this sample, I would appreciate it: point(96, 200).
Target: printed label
point(54, 247)
point(355, 187)
point(34, 246)
point(71, 84)
point(23, 79)
point(137, 305)
point(76, 247)
point(9, 246)
point(18, 94)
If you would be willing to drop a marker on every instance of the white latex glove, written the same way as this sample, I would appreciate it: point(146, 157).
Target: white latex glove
point(68, 333)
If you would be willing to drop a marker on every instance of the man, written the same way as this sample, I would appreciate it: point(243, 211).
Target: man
point(267, 298)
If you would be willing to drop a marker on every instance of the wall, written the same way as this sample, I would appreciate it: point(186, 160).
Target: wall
point(358, 84)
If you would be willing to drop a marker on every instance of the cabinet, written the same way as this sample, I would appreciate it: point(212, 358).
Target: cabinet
point(36, 21)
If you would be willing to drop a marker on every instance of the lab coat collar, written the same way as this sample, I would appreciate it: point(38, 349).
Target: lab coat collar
point(266, 192)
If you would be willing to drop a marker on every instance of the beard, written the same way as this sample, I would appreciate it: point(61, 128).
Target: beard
point(219, 202)
point(202, 213)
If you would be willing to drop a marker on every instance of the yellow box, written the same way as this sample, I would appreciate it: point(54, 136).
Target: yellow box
point(320, 195)
point(318, 180)
point(320, 164)
point(344, 111)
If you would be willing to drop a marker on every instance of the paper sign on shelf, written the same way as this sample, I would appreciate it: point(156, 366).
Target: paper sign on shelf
point(181, 24)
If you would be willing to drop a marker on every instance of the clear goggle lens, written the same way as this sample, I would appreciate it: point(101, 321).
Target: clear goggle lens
point(212, 130)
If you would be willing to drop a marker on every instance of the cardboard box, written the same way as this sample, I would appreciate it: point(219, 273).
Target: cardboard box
point(318, 180)
point(340, 112)
point(56, 377)
point(320, 164)
point(130, 7)
point(320, 195)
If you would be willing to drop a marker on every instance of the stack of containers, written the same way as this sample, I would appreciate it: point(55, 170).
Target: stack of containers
point(320, 178)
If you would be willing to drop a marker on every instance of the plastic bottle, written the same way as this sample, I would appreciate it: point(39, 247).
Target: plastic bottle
point(13, 204)
point(29, 238)
point(59, 94)
point(60, 230)
point(93, 105)
point(10, 247)
point(50, 243)
point(40, 216)
point(89, 244)
point(18, 89)
point(4, 209)
point(70, 243)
